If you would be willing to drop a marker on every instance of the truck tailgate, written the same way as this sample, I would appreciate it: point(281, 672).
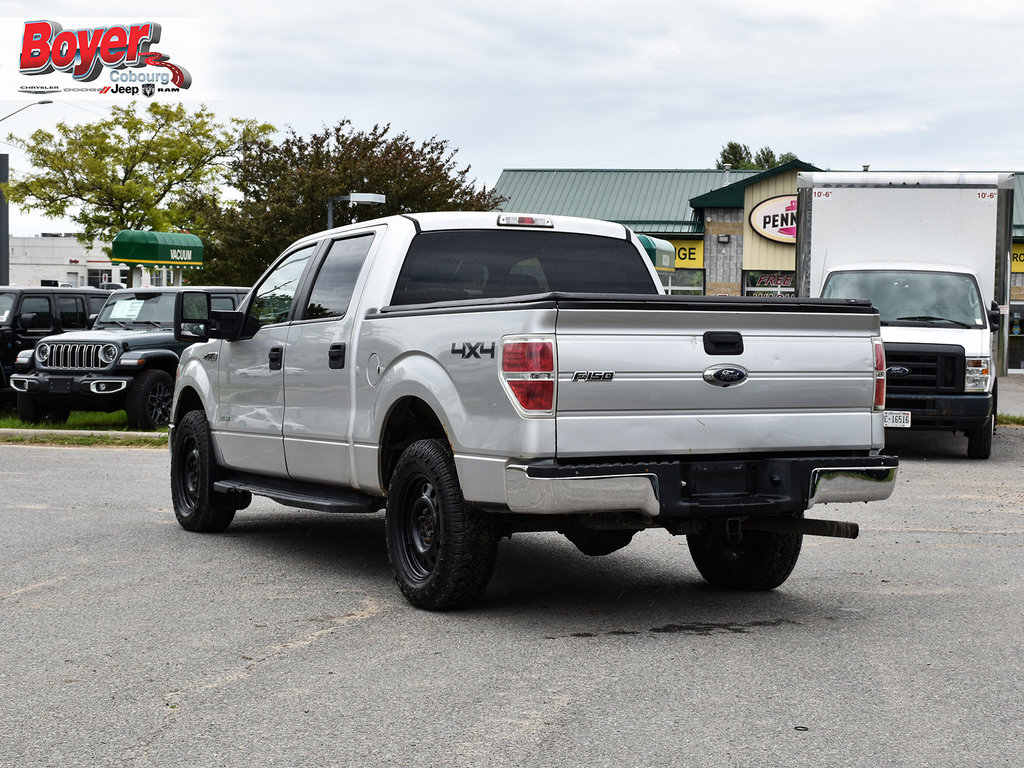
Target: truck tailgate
point(799, 376)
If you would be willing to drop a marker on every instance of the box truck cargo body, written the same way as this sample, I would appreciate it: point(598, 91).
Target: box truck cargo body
point(932, 252)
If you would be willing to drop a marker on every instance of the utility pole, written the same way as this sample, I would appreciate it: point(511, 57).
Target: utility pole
point(5, 223)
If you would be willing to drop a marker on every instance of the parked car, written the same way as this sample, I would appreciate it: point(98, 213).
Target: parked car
point(126, 360)
point(28, 313)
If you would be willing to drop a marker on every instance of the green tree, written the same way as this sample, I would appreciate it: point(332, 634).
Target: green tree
point(739, 157)
point(285, 187)
point(131, 170)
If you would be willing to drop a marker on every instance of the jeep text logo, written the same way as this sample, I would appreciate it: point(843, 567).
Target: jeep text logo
point(47, 47)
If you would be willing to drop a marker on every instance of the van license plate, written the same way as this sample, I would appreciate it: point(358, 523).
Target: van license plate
point(897, 419)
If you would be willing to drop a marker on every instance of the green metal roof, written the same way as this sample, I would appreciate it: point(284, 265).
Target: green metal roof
point(652, 201)
point(169, 249)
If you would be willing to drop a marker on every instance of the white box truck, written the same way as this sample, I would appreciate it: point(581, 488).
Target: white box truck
point(932, 252)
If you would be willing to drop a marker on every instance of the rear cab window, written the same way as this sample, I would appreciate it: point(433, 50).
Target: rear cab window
point(484, 264)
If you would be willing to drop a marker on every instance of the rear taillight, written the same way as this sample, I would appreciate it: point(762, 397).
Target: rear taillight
point(879, 375)
point(528, 373)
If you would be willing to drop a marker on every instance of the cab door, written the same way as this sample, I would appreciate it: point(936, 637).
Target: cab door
point(319, 370)
point(251, 372)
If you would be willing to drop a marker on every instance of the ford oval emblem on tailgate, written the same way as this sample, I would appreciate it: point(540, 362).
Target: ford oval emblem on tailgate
point(725, 375)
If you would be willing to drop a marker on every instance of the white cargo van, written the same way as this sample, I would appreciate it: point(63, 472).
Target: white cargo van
point(932, 252)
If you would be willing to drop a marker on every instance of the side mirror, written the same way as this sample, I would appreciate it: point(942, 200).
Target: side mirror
point(92, 320)
point(994, 318)
point(192, 316)
point(27, 321)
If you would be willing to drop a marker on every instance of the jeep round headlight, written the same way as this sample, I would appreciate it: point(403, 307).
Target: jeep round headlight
point(108, 353)
point(42, 352)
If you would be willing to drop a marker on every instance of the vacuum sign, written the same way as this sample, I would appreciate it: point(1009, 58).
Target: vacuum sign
point(775, 218)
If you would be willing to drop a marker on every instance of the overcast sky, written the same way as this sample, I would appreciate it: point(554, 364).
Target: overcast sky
point(934, 85)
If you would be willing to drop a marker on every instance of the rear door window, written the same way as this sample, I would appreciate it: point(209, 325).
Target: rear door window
point(72, 313)
point(336, 278)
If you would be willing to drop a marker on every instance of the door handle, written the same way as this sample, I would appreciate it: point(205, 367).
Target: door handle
point(336, 356)
point(276, 356)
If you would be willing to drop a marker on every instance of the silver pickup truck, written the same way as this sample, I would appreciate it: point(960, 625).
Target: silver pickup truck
point(483, 374)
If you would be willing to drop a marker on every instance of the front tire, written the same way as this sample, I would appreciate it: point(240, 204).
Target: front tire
point(149, 402)
point(758, 561)
point(441, 550)
point(28, 409)
point(979, 441)
point(193, 472)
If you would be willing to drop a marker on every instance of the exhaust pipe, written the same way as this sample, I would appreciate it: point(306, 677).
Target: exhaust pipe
point(809, 527)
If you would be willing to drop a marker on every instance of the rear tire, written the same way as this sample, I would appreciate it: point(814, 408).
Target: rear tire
point(441, 550)
point(193, 472)
point(979, 441)
point(758, 561)
point(148, 405)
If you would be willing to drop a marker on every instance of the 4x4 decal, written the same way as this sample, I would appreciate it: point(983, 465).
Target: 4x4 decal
point(475, 349)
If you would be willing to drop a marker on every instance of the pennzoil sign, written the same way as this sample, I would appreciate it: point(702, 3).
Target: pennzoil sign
point(775, 218)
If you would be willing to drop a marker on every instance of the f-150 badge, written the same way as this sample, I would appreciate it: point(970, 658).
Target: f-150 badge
point(593, 375)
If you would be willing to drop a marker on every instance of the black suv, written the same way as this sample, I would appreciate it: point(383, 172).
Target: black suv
point(28, 313)
point(126, 360)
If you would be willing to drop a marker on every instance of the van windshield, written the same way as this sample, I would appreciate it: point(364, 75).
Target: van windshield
point(946, 299)
point(6, 307)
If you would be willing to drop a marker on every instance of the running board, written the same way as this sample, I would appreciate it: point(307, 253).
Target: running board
point(302, 495)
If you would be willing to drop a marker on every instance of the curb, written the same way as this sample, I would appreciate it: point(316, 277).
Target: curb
point(27, 433)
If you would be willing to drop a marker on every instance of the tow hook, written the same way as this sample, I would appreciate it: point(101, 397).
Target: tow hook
point(733, 531)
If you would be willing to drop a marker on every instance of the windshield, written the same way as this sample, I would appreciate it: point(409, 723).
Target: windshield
point(139, 307)
point(6, 305)
point(909, 298)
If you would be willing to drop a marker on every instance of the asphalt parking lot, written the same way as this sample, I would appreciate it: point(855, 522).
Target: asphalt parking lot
point(126, 641)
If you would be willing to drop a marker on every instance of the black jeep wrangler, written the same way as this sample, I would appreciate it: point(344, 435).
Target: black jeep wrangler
point(126, 360)
point(28, 313)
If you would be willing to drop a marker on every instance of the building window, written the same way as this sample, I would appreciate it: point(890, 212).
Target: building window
point(683, 282)
point(98, 277)
point(769, 283)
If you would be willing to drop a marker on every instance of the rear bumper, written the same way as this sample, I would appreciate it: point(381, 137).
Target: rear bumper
point(944, 412)
point(699, 489)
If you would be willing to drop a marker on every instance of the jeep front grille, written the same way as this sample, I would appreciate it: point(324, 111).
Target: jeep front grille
point(74, 357)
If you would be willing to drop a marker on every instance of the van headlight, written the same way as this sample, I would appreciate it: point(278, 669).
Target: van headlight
point(42, 352)
point(979, 374)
